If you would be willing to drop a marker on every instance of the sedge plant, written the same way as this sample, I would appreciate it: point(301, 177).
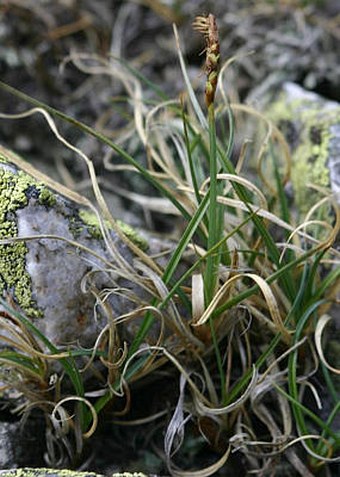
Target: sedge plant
point(238, 311)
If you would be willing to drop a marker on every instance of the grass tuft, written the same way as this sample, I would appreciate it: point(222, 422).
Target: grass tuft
point(237, 312)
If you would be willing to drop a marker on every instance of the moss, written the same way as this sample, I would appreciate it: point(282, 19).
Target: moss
point(15, 191)
point(91, 222)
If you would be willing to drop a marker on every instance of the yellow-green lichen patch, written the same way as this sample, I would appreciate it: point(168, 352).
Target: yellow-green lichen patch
point(46, 197)
point(14, 278)
point(128, 474)
point(90, 220)
point(92, 224)
point(28, 472)
point(132, 235)
point(310, 157)
point(42, 472)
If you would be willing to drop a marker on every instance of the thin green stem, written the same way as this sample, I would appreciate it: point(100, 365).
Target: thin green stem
point(215, 230)
point(210, 275)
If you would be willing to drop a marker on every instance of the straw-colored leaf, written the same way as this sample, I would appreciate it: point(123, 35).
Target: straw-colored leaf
point(320, 327)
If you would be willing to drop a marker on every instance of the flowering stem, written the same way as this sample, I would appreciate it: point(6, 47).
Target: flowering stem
point(213, 236)
point(215, 229)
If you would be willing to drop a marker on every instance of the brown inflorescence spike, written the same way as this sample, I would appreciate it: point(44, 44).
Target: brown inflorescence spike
point(208, 27)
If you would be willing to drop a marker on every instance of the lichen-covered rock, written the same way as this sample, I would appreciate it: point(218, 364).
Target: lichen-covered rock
point(27, 472)
point(311, 125)
point(43, 276)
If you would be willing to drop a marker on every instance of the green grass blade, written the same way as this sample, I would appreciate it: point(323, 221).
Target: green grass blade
point(194, 101)
point(275, 341)
point(67, 363)
point(201, 260)
point(30, 326)
point(255, 288)
point(332, 277)
point(191, 228)
point(193, 167)
point(231, 138)
point(285, 214)
point(171, 267)
point(23, 361)
point(273, 250)
point(137, 74)
point(292, 373)
point(325, 426)
point(132, 370)
point(330, 386)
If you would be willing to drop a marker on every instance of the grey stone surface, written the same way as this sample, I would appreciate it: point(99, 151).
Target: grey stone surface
point(311, 125)
point(19, 445)
point(52, 279)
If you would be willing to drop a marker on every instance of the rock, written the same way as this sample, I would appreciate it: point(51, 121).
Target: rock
point(44, 277)
point(28, 472)
point(20, 445)
point(62, 276)
point(311, 125)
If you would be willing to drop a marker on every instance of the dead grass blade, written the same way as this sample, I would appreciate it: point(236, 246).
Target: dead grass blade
point(320, 327)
